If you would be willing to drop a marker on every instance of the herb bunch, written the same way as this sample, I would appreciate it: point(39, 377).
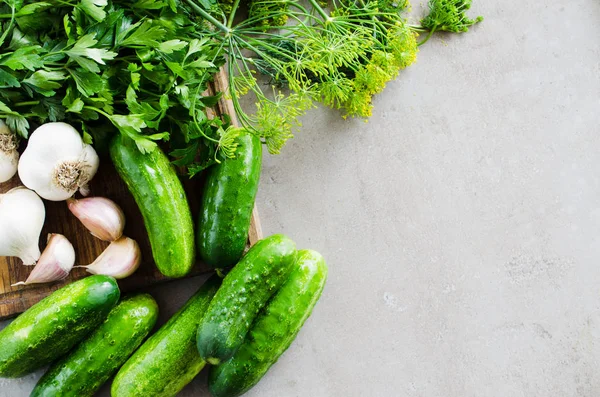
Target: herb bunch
point(339, 55)
point(138, 68)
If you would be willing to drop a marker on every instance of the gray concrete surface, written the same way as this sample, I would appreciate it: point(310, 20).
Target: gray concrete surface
point(461, 224)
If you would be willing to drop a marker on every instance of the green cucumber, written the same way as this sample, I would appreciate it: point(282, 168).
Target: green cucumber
point(244, 292)
point(168, 360)
point(85, 369)
point(51, 327)
point(274, 329)
point(227, 203)
point(158, 192)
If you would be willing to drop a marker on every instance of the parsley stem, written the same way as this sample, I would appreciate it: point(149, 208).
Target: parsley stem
point(95, 109)
point(27, 103)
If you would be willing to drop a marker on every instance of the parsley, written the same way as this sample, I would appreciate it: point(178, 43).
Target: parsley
point(138, 69)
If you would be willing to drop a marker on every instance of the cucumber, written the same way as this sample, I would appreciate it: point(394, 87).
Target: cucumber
point(274, 329)
point(85, 369)
point(227, 203)
point(51, 327)
point(168, 360)
point(158, 192)
point(244, 292)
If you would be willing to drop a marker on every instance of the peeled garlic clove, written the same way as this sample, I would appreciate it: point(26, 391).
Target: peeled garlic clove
point(22, 215)
point(120, 259)
point(56, 162)
point(101, 216)
point(9, 156)
point(56, 261)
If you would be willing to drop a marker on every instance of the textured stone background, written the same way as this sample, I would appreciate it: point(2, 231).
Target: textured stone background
point(461, 224)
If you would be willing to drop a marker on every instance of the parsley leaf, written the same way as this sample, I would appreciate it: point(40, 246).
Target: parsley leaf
point(84, 48)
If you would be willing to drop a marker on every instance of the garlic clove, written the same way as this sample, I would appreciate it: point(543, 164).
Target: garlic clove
point(56, 162)
point(22, 215)
point(101, 216)
point(120, 259)
point(9, 156)
point(56, 261)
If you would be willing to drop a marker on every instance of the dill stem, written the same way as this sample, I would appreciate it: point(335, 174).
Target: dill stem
point(427, 38)
point(234, 8)
point(319, 9)
point(208, 17)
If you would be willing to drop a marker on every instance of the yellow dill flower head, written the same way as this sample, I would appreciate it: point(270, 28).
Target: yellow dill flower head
point(359, 105)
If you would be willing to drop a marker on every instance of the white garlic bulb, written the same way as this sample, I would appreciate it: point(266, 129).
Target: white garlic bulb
point(22, 215)
point(56, 261)
point(9, 156)
point(56, 162)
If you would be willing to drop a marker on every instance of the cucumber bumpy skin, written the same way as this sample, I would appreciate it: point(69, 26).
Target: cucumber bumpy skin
point(159, 194)
point(83, 371)
point(227, 204)
point(168, 360)
point(274, 329)
point(245, 290)
point(51, 327)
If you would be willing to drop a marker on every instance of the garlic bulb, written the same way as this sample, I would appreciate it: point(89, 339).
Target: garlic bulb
point(56, 261)
point(22, 215)
point(9, 156)
point(120, 259)
point(101, 216)
point(56, 162)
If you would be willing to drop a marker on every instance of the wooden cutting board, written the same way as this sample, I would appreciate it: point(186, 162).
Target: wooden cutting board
point(106, 183)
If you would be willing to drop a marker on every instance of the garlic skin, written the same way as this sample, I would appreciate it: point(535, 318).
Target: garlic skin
point(22, 216)
point(101, 216)
point(56, 162)
point(9, 156)
point(56, 261)
point(120, 259)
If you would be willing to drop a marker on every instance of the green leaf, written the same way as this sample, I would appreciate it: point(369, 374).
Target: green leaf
point(196, 46)
point(16, 4)
point(20, 39)
point(131, 121)
point(7, 79)
point(83, 48)
point(32, 8)
point(178, 69)
point(149, 4)
point(18, 123)
point(88, 83)
point(87, 138)
point(45, 82)
point(25, 58)
point(54, 108)
point(145, 35)
point(87, 64)
point(4, 108)
point(94, 8)
point(168, 47)
point(201, 64)
point(76, 106)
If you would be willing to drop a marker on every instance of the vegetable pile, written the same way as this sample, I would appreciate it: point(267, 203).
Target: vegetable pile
point(78, 76)
point(86, 335)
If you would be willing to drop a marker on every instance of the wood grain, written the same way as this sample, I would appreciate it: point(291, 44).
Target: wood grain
point(14, 300)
